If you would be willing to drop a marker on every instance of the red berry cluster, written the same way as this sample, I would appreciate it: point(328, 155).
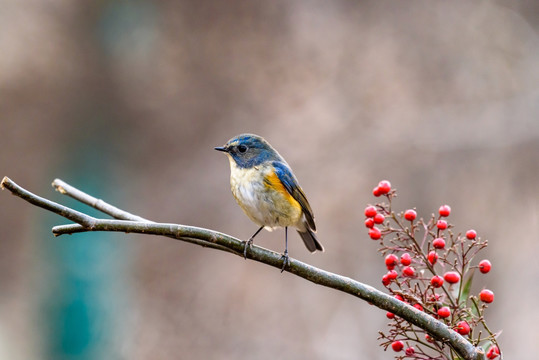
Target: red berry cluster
point(430, 268)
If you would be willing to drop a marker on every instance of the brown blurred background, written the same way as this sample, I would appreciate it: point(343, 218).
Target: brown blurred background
point(126, 100)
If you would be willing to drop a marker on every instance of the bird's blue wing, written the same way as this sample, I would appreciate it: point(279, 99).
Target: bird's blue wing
point(290, 183)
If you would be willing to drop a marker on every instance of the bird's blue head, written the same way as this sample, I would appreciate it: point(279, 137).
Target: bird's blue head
point(248, 150)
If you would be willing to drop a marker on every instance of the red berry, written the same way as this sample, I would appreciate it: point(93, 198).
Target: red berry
point(471, 234)
point(398, 297)
point(444, 210)
point(444, 312)
point(452, 277)
point(376, 191)
point(438, 243)
point(486, 296)
point(429, 338)
point(436, 281)
point(390, 315)
point(409, 351)
point(408, 271)
point(493, 352)
point(397, 345)
point(379, 218)
point(369, 222)
point(406, 259)
point(370, 211)
point(375, 233)
point(384, 186)
point(441, 224)
point(391, 260)
point(392, 275)
point(463, 328)
point(418, 307)
point(410, 215)
point(484, 266)
point(385, 280)
point(433, 257)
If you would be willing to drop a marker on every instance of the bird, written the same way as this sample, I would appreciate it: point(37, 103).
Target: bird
point(267, 190)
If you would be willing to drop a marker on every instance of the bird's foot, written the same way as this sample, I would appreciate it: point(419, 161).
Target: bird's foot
point(286, 260)
point(248, 244)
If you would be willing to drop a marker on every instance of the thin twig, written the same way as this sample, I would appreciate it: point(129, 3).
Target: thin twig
point(66, 189)
point(211, 238)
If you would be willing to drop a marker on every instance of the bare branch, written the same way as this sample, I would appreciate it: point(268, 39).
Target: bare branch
point(134, 224)
point(98, 204)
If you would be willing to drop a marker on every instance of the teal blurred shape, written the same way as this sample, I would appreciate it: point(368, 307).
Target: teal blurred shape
point(75, 333)
point(82, 290)
point(81, 296)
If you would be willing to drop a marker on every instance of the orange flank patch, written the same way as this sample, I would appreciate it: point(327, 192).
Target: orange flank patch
point(272, 180)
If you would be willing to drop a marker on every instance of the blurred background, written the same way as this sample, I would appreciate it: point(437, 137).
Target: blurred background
point(126, 100)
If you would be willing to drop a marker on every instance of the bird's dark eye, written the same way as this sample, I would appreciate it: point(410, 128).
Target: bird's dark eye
point(242, 148)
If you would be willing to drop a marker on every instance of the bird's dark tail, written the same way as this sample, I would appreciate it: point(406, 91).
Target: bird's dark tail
point(310, 240)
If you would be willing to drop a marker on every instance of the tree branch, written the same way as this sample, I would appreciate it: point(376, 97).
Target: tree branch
point(130, 223)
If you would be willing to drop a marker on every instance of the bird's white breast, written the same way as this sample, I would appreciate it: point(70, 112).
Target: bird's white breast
point(261, 204)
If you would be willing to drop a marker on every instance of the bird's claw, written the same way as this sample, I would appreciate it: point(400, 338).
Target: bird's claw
point(286, 260)
point(248, 244)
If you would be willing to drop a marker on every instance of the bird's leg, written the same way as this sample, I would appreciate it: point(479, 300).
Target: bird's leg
point(286, 259)
point(249, 242)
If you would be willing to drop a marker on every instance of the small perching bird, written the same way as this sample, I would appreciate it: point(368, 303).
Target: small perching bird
point(266, 189)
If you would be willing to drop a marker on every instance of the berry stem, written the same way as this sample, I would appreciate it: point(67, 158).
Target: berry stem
point(422, 342)
point(462, 273)
point(419, 250)
point(492, 336)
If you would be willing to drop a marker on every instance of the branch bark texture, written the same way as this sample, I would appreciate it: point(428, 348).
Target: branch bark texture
point(128, 223)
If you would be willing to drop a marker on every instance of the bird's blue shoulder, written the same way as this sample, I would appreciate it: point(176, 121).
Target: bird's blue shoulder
point(285, 175)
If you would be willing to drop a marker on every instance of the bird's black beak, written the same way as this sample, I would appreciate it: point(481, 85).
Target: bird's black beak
point(221, 148)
